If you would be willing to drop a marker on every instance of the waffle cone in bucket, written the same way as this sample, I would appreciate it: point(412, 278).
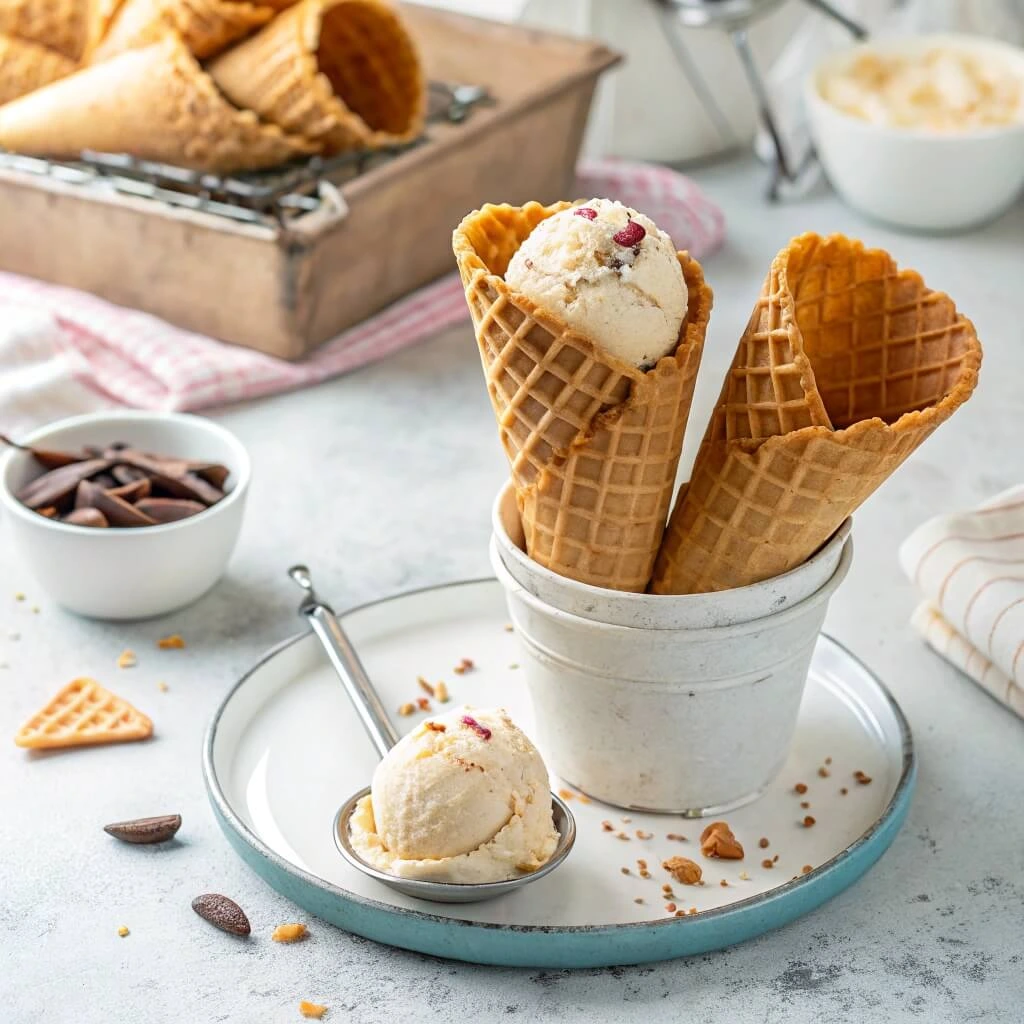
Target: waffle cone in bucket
point(25, 67)
point(206, 26)
point(846, 366)
point(593, 442)
point(344, 73)
point(155, 103)
point(60, 25)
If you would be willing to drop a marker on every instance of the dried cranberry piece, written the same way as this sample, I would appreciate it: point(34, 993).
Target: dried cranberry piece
point(481, 730)
point(632, 234)
point(586, 211)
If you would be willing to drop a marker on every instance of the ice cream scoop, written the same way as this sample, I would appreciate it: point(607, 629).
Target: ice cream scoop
point(481, 814)
point(462, 798)
point(610, 274)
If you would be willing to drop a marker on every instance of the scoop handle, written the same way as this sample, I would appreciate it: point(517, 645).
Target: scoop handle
point(345, 661)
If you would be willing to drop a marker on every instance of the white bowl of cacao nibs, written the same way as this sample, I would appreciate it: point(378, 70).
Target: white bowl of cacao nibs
point(125, 515)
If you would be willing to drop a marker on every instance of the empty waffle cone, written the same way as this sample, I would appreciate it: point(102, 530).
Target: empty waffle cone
point(26, 66)
point(846, 366)
point(593, 442)
point(155, 103)
point(83, 714)
point(344, 73)
point(206, 26)
point(60, 25)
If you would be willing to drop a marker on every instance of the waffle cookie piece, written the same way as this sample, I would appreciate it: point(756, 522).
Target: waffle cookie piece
point(846, 366)
point(342, 73)
point(83, 714)
point(593, 442)
point(155, 103)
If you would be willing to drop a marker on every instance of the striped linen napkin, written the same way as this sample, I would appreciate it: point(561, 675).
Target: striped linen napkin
point(969, 568)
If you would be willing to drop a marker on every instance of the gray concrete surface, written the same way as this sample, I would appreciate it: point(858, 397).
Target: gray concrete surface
point(382, 480)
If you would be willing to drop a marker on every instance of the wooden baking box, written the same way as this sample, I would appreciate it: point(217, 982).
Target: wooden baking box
point(285, 283)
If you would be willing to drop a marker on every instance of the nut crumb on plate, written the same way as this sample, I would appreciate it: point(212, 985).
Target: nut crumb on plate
point(423, 704)
point(127, 659)
point(123, 931)
point(806, 869)
point(174, 642)
point(441, 692)
point(843, 791)
point(670, 908)
point(676, 837)
point(805, 804)
point(312, 1010)
point(824, 772)
point(607, 826)
point(724, 884)
point(641, 834)
point(683, 870)
point(162, 686)
point(808, 821)
point(763, 843)
point(863, 779)
point(407, 709)
point(744, 877)
point(289, 932)
point(566, 794)
point(767, 863)
point(425, 686)
point(828, 760)
point(801, 788)
point(717, 840)
point(622, 835)
point(638, 899)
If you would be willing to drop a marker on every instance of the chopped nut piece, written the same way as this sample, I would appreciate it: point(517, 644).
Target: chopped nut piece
point(641, 834)
point(801, 787)
point(465, 665)
point(127, 659)
point(607, 826)
point(627, 821)
point(670, 907)
point(423, 704)
point(693, 910)
point(805, 804)
point(828, 760)
point(312, 1010)
point(441, 692)
point(35, 609)
point(174, 642)
point(459, 670)
point(622, 835)
point(644, 873)
point(425, 686)
point(717, 840)
point(863, 779)
point(775, 859)
point(638, 899)
point(566, 794)
point(824, 772)
point(289, 932)
point(680, 913)
point(843, 791)
point(683, 870)
point(763, 843)
point(436, 726)
point(808, 821)
point(19, 596)
point(724, 884)
point(666, 888)
point(625, 871)
point(806, 869)
point(583, 798)
point(767, 863)
point(744, 877)
point(406, 709)
point(123, 931)
point(642, 864)
point(676, 837)
point(162, 686)
point(509, 627)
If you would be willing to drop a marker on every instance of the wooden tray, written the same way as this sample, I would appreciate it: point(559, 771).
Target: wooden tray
point(284, 289)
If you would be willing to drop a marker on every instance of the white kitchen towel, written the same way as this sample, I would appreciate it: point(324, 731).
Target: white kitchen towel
point(969, 568)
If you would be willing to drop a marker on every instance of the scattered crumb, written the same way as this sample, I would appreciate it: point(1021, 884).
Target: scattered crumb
point(693, 910)
point(583, 798)
point(641, 834)
point(863, 779)
point(670, 908)
point(627, 821)
point(683, 870)
point(801, 787)
point(465, 665)
point(289, 932)
point(19, 596)
point(767, 863)
point(806, 869)
point(123, 931)
point(313, 1010)
point(509, 627)
point(667, 889)
point(843, 791)
point(625, 871)
point(436, 726)
point(744, 877)
point(566, 794)
point(641, 864)
point(828, 760)
point(441, 692)
point(717, 840)
point(127, 659)
point(808, 821)
point(824, 772)
point(645, 873)
point(425, 686)
point(607, 826)
point(622, 835)
point(423, 704)
point(638, 899)
point(162, 686)
point(724, 884)
point(680, 913)
point(775, 859)
point(407, 709)
point(174, 642)
point(514, 665)
point(35, 609)
point(676, 837)
point(763, 843)
point(805, 804)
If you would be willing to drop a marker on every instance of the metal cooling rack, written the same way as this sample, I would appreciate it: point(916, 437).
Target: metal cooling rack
point(258, 197)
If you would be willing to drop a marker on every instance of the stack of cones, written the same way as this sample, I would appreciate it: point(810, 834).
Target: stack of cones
point(155, 103)
point(26, 66)
point(847, 365)
point(342, 73)
point(593, 442)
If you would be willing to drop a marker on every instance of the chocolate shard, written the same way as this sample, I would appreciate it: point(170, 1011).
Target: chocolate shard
point(171, 475)
point(105, 480)
point(142, 831)
point(131, 492)
point(46, 456)
point(86, 516)
point(53, 487)
point(212, 472)
point(127, 474)
point(118, 512)
point(169, 510)
point(50, 512)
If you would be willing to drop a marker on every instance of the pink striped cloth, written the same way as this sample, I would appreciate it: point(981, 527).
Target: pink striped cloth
point(124, 356)
point(969, 568)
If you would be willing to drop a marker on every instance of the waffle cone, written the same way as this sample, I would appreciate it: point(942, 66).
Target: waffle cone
point(344, 73)
point(155, 103)
point(83, 714)
point(593, 442)
point(26, 66)
point(60, 25)
point(846, 366)
point(206, 26)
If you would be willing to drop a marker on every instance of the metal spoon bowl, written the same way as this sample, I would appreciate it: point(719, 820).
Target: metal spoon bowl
point(345, 661)
point(454, 892)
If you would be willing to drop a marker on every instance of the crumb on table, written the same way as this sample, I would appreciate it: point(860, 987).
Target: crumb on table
point(127, 659)
point(289, 932)
point(312, 1010)
point(174, 642)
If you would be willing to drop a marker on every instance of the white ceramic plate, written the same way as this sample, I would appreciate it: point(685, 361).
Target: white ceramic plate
point(286, 749)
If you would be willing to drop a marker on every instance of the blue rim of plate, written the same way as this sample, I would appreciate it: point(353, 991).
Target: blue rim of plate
point(559, 946)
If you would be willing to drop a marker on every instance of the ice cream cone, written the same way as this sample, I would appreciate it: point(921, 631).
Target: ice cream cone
point(593, 442)
point(155, 103)
point(60, 25)
point(206, 26)
point(846, 366)
point(26, 66)
point(344, 73)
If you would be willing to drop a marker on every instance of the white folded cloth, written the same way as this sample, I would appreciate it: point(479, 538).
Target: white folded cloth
point(969, 568)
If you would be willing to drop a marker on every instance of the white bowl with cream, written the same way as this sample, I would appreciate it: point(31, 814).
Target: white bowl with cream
point(924, 132)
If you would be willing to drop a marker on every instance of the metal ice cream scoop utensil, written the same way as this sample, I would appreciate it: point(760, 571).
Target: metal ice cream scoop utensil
point(343, 658)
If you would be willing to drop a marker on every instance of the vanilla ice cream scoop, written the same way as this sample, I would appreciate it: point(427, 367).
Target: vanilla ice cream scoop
point(610, 274)
point(463, 798)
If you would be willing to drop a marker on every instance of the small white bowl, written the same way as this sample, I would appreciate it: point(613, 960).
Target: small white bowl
point(915, 178)
point(129, 573)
